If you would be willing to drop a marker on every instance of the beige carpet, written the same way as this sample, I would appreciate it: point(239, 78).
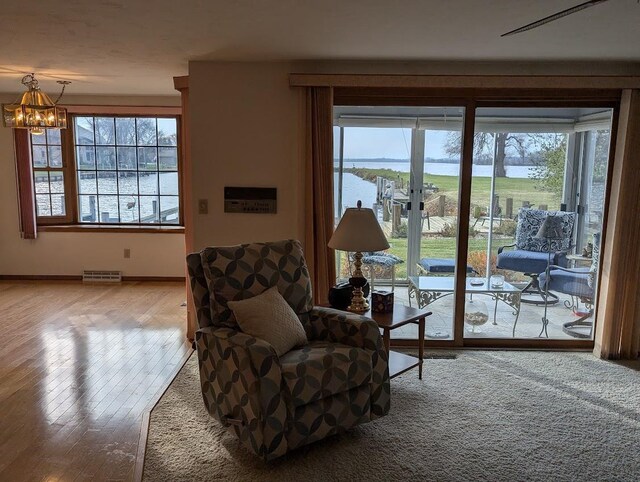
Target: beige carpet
point(483, 416)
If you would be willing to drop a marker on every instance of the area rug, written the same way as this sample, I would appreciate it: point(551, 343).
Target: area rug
point(486, 415)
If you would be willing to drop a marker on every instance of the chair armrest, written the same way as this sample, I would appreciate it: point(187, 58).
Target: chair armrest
point(568, 270)
point(354, 330)
point(344, 327)
point(501, 248)
point(241, 381)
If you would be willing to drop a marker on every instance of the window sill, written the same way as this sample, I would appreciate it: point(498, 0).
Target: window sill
point(104, 228)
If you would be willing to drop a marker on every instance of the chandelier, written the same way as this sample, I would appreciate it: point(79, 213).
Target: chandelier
point(35, 111)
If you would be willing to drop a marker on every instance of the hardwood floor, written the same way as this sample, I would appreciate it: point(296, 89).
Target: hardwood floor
point(79, 366)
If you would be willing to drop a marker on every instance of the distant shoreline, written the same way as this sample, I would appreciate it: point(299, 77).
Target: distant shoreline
point(507, 162)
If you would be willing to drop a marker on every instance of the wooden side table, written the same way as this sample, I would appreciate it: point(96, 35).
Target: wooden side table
point(400, 316)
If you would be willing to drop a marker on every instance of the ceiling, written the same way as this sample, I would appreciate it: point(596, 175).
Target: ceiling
point(136, 46)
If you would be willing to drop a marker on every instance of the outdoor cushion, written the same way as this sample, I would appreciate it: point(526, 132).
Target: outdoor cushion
point(574, 282)
point(440, 265)
point(382, 259)
point(529, 222)
point(527, 261)
point(321, 369)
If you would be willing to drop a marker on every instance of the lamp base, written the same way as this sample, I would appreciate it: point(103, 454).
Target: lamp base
point(359, 303)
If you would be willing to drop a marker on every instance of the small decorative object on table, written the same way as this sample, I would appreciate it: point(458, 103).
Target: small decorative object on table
point(475, 313)
point(497, 281)
point(340, 295)
point(381, 301)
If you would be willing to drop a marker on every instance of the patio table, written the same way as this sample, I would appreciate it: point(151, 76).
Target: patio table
point(427, 289)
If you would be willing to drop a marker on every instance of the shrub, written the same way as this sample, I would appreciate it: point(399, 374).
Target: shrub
point(451, 231)
point(401, 232)
point(507, 228)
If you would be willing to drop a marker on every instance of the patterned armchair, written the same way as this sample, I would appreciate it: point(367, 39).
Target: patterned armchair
point(531, 255)
point(276, 404)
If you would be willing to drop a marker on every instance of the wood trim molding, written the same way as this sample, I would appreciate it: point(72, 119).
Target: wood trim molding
point(77, 277)
point(618, 311)
point(464, 209)
point(81, 228)
point(466, 81)
point(146, 418)
point(181, 84)
point(123, 109)
point(24, 181)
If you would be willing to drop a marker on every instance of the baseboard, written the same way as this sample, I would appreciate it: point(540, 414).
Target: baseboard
point(144, 428)
point(73, 277)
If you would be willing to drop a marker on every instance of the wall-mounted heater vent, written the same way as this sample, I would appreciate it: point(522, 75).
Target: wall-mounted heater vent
point(101, 276)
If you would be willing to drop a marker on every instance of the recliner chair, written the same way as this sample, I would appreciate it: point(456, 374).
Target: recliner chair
point(276, 404)
point(531, 255)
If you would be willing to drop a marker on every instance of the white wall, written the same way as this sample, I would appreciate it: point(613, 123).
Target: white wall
point(54, 253)
point(245, 126)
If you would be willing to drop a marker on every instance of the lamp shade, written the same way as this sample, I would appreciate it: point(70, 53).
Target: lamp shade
point(358, 230)
point(551, 228)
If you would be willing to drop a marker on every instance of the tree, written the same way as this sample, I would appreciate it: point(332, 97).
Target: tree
point(550, 161)
point(484, 144)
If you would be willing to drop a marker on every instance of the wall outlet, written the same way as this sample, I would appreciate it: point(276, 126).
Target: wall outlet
point(203, 206)
point(127, 253)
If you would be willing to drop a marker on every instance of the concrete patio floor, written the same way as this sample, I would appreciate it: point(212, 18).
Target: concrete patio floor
point(440, 324)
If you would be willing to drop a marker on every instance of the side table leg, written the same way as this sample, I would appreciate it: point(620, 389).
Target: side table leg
point(421, 323)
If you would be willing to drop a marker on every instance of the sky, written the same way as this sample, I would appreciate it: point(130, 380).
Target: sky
point(390, 143)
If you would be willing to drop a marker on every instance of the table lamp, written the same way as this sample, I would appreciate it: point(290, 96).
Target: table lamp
point(550, 229)
point(358, 231)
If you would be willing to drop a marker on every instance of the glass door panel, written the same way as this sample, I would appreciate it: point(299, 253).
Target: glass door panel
point(372, 162)
point(535, 168)
point(436, 183)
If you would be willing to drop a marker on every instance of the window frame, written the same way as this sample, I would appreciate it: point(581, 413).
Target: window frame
point(70, 221)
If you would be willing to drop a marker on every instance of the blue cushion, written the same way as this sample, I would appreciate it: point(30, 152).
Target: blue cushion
point(574, 282)
point(528, 261)
point(440, 265)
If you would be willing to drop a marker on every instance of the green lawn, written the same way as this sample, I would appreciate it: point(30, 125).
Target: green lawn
point(516, 188)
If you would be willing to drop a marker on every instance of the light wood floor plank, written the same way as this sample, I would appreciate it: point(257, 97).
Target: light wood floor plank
point(79, 366)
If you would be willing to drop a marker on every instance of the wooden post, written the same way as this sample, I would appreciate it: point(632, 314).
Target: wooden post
point(386, 216)
point(397, 218)
point(441, 205)
point(509, 207)
point(526, 204)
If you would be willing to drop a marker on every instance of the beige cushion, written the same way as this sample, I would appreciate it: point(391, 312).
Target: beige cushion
point(269, 317)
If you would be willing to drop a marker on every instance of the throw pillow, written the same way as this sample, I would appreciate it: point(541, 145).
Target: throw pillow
point(269, 317)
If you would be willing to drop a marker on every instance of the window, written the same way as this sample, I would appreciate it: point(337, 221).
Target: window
point(48, 174)
point(113, 170)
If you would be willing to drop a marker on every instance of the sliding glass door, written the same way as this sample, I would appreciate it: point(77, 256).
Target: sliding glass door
point(535, 168)
point(536, 212)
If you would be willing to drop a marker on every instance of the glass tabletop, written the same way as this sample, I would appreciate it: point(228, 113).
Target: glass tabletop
point(446, 284)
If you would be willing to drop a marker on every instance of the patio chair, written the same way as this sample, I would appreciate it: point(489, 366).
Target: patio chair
point(531, 255)
point(580, 284)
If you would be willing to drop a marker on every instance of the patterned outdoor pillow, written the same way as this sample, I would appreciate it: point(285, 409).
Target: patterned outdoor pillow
point(269, 317)
point(529, 222)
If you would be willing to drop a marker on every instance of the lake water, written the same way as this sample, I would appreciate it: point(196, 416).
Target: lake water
point(443, 169)
point(355, 188)
point(158, 194)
